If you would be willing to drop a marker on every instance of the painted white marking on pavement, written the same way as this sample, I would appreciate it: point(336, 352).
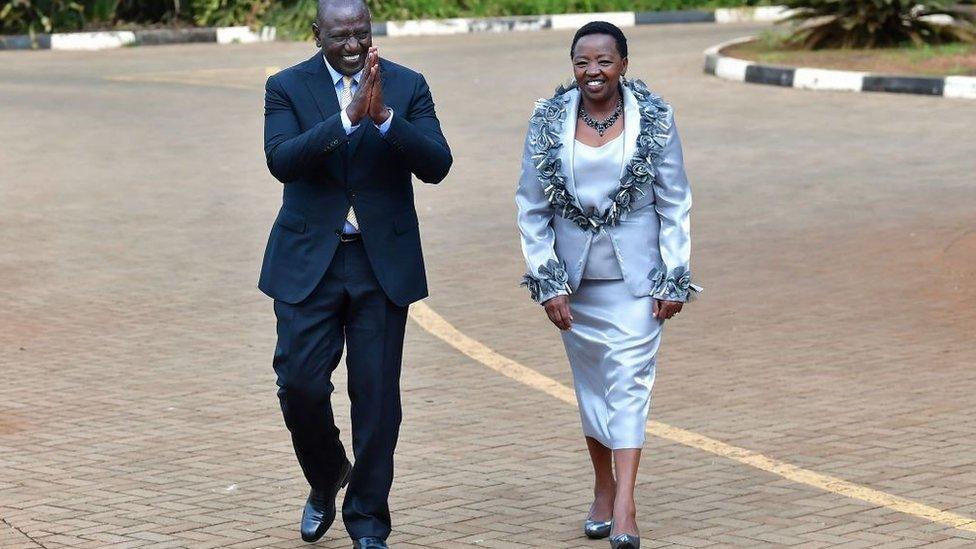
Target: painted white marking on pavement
point(437, 326)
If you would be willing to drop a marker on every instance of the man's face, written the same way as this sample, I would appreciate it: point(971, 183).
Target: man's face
point(345, 37)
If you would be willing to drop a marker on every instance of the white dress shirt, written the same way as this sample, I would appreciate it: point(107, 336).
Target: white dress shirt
point(347, 125)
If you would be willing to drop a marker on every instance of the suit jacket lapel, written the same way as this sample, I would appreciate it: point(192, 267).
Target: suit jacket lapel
point(568, 139)
point(631, 127)
point(321, 86)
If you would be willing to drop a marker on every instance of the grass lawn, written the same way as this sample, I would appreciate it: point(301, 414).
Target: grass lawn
point(947, 60)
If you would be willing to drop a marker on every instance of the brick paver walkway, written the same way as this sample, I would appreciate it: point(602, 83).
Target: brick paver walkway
point(834, 234)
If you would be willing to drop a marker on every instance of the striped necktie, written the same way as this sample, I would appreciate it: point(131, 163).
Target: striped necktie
point(344, 99)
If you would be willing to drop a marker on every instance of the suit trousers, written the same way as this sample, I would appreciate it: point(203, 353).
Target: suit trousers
point(348, 307)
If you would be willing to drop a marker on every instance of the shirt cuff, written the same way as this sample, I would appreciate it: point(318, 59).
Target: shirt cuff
point(385, 125)
point(346, 123)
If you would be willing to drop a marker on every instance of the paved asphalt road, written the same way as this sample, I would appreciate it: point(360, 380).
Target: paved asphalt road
point(834, 234)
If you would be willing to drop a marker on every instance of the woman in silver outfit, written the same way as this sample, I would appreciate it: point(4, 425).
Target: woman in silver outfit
point(603, 212)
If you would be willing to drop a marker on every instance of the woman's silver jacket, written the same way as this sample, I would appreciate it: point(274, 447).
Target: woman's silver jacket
point(651, 239)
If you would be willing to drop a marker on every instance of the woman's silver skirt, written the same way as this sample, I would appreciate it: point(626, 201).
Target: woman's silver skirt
point(611, 349)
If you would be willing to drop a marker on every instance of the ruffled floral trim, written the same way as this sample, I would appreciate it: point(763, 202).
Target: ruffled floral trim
point(674, 287)
point(546, 125)
point(553, 280)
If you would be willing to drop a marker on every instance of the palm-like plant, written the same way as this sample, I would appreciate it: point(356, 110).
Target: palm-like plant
point(879, 23)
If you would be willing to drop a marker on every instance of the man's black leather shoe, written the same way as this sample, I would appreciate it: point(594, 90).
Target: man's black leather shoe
point(320, 508)
point(369, 543)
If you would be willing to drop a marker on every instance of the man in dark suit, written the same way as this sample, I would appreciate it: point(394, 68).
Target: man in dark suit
point(343, 132)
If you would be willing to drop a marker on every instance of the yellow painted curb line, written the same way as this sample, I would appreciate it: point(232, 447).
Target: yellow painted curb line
point(437, 326)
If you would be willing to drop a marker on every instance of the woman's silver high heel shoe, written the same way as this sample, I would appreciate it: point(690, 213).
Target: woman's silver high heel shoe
point(597, 529)
point(625, 541)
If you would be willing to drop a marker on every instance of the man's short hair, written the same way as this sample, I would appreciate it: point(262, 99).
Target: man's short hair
point(324, 5)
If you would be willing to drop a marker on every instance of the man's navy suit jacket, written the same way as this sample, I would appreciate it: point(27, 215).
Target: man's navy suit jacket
point(324, 171)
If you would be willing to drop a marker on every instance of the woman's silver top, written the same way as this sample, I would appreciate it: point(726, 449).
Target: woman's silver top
point(597, 174)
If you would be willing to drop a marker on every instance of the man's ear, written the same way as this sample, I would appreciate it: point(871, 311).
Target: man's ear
point(624, 63)
point(315, 33)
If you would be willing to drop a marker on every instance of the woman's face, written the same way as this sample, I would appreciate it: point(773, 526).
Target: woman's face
point(598, 66)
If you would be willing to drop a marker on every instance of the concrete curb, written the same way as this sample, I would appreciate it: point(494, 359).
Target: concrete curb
point(741, 70)
point(89, 41)
point(416, 27)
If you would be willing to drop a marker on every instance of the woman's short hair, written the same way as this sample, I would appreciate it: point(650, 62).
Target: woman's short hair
point(601, 27)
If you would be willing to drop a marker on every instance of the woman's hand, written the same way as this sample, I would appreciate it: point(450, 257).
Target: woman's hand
point(664, 310)
point(558, 310)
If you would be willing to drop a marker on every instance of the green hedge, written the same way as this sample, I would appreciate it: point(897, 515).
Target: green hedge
point(17, 16)
point(414, 9)
point(291, 16)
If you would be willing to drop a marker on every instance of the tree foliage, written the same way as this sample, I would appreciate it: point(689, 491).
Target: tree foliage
point(38, 16)
point(228, 13)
